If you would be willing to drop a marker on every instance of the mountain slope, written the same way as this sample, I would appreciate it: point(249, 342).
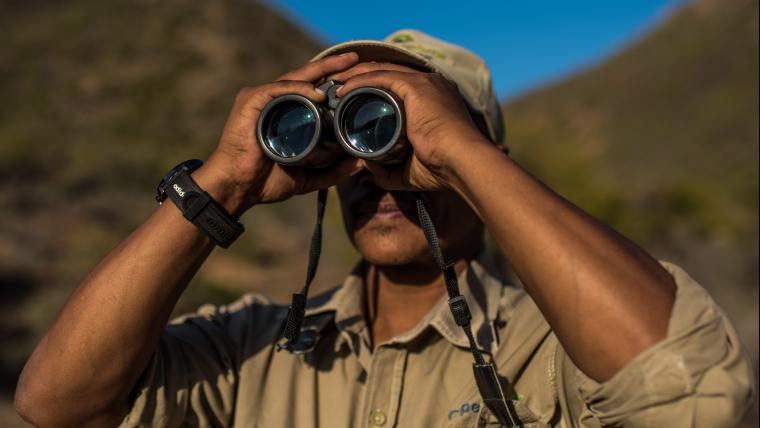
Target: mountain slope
point(661, 140)
point(97, 82)
point(101, 98)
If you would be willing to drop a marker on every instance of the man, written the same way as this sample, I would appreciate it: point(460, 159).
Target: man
point(602, 334)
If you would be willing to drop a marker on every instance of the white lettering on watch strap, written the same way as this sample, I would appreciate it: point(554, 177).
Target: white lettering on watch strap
point(179, 190)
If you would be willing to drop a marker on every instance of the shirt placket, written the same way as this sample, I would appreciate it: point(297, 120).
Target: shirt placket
point(384, 386)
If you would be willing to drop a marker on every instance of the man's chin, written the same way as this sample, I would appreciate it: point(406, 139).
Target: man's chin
point(389, 246)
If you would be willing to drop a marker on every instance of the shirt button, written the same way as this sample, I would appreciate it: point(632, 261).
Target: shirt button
point(377, 418)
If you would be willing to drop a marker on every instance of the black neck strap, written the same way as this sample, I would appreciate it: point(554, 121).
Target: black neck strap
point(298, 304)
point(486, 377)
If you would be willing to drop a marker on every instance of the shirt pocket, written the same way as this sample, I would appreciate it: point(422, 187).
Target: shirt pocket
point(534, 404)
point(533, 401)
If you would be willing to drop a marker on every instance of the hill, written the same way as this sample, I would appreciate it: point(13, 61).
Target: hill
point(661, 140)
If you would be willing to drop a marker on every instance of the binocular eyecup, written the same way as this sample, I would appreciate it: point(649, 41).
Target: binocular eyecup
point(366, 123)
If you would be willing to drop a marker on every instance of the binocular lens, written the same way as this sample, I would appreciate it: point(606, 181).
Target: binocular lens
point(290, 129)
point(369, 123)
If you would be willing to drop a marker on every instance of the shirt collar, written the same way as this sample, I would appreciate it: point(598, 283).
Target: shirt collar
point(482, 289)
point(479, 283)
point(347, 302)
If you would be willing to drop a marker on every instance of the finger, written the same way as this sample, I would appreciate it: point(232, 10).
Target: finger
point(254, 99)
point(366, 67)
point(322, 179)
point(389, 177)
point(398, 82)
point(250, 101)
point(320, 68)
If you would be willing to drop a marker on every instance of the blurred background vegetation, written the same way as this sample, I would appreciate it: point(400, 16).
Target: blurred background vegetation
point(101, 98)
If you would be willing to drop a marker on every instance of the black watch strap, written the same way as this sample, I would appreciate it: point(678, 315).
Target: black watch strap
point(202, 210)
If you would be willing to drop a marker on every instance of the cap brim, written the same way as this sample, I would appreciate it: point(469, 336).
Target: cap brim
point(373, 50)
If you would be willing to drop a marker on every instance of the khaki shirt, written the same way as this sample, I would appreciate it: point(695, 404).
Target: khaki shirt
point(220, 367)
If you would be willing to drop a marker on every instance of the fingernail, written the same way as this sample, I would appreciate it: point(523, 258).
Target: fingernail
point(345, 53)
point(319, 90)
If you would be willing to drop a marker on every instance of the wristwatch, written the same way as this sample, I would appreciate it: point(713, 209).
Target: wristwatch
point(198, 206)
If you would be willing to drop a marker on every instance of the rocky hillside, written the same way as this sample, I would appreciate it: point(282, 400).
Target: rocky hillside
point(660, 140)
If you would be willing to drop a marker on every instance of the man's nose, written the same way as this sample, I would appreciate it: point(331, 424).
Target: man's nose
point(359, 180)
point(365, 178)
point(362, 179)
point(359, 187)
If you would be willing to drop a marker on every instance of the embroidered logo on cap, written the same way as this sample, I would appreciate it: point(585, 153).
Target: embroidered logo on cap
point(402, 38)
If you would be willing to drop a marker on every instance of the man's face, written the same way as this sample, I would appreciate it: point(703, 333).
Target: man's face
point(384, 228)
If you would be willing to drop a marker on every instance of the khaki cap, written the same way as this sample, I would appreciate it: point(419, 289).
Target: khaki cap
point(421, 51)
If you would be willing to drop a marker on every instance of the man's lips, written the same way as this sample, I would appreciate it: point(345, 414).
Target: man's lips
point(385, 207)
point(380, 209)
point(368, 202)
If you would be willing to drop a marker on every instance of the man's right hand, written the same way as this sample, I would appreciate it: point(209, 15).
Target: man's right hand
point(240, 169)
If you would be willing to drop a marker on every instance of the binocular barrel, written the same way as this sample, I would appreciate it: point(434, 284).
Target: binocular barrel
point(367, 123)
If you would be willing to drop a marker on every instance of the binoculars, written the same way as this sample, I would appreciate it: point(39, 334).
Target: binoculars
point(366, 123)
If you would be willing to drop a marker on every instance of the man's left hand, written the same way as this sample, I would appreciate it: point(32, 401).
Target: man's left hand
point(438, 124)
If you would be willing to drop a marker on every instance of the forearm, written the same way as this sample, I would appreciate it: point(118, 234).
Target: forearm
point(104, 337)
point(605, 298)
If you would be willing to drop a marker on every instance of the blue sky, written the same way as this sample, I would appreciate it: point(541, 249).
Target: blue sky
point(525, 43)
